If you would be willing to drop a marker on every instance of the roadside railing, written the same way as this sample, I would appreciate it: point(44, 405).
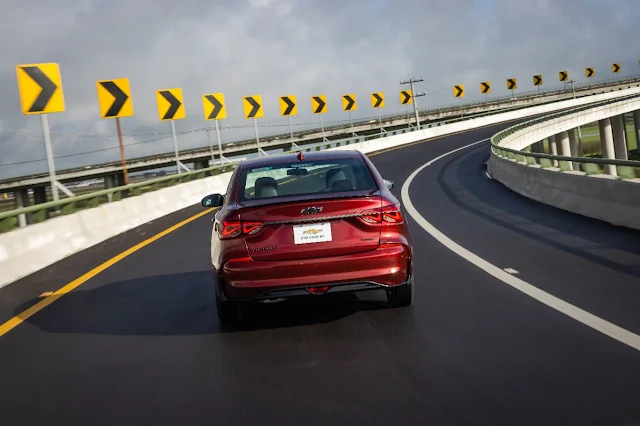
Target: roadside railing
point(626, 169)
point(10, 220)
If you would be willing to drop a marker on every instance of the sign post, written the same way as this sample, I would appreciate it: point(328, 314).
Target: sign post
point(377, 101)
point(40, 87)
point(537, 81)
point(319, 106)
point(253, 110)
point(171, 108)
point(215, 109)
point(114, 100)
point(349, 104)
point(288, 107)
point(512, 85)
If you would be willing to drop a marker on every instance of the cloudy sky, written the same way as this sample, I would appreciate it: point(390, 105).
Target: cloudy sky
point(281, 47)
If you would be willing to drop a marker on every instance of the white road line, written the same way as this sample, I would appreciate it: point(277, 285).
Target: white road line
point(560, 305)
point(511, 271)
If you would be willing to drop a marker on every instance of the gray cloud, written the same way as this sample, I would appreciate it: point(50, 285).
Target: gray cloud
point(279, 47)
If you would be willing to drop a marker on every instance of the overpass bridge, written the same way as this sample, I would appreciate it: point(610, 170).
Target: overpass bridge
point(112, 173)
point(541, 160)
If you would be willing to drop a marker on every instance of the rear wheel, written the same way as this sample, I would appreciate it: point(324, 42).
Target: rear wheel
point(230, 313)
point(401, 296)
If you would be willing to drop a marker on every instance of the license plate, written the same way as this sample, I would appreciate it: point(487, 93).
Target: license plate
point(314, 233)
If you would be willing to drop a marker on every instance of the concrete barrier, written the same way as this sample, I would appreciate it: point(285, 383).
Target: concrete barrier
point(27, 250)
point(604, 198)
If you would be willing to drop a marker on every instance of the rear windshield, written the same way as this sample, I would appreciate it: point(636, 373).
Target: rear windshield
point(305, 177)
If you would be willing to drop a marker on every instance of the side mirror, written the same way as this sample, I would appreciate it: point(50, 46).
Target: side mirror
point(388, 183)
point(214, 200)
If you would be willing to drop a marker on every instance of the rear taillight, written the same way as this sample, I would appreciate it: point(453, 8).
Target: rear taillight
point(235, 228)
point(251, 228)
point(388, 215)
point(392, 214)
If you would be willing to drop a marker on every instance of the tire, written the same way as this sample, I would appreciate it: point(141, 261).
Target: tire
point(229, 313)
point(401, 296)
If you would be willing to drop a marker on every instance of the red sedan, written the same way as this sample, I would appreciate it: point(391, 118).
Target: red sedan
point(308, 224)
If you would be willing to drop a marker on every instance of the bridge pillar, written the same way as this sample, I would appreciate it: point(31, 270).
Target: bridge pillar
point(636, 122)
point(22, 200)
point(539, 147)
point(120, 179)
point(562, 139)
point(619, 140)
point(573, 147)
point(110, 182)
point(201, 164)
point(606, 139)
point(39, 195)
point(553, 148)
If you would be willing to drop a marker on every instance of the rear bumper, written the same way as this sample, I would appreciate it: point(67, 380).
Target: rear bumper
point(246, 279)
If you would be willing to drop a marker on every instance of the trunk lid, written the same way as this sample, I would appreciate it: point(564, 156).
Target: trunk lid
point(312, 228)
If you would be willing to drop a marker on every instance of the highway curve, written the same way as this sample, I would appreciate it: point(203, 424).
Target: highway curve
point(139, 342)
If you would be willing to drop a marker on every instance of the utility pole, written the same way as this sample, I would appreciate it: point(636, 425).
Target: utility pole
point(580, 152)
point(414, 95)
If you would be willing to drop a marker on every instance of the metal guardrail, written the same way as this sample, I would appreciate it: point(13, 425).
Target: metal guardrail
point(41, 212)
point(626, 169)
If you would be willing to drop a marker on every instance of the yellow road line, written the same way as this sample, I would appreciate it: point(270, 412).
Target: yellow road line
point(24, 315)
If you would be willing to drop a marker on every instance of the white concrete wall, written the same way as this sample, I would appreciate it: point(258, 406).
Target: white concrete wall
point(600, 197)
point(603, 198)
point(27, 250)
point(34, 247)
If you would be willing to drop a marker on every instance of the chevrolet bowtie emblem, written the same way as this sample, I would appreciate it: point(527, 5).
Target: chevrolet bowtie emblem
point(312, 231)
point(311, 210)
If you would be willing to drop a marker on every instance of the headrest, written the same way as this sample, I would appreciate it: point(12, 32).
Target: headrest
point(266, 187)
point(334, 175)
point(342, 185)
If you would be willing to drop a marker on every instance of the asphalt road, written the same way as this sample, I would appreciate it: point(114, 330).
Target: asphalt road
point(139, 343)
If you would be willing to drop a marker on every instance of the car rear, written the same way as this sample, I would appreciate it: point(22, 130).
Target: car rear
point(314, 226)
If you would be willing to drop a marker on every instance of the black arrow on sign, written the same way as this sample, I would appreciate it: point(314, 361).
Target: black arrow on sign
point(563, 76)
point(350, 102)
point(290, 105)
point(119, 98)
point(589, 72)
point(616, 67)
point(217, 106)
point(173, 101)
point(537, 80)
point(320, 102)
point(407, 97)
point(254, 105)
point(485, 87)
point(48, 88)
point(459, 92)
point(512, 84)
point(378, 100)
